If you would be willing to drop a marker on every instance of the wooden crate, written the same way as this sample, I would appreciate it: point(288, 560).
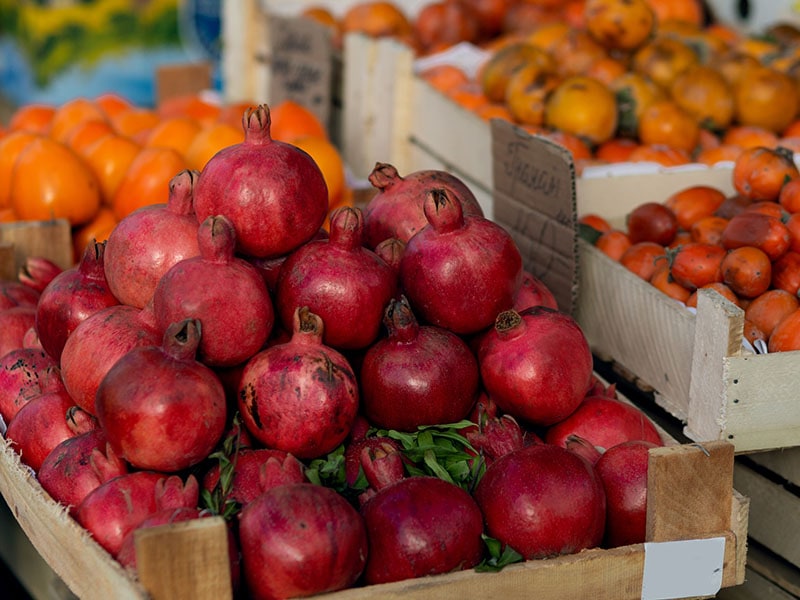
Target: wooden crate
point(22, 239)
point(690, 499)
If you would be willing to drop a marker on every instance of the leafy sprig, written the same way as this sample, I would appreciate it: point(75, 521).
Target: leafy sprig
point(498, 556)
point(218, 500)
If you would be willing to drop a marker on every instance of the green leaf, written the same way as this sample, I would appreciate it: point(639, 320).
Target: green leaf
point(498, 556)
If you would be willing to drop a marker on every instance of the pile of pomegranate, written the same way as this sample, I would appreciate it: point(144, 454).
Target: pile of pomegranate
point(390, 397)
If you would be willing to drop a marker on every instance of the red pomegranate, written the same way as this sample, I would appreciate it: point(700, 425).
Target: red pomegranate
point(147, 242)
point(273, 192)
point(23, 376)
point(533, 292)
point(536, 365)
point(396, 210)
point(15, 322)
point(16, 293)
point(543, 501)
point(37, 271)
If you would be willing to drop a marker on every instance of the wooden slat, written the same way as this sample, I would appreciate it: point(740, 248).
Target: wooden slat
point(48, 239)
point(784, 463)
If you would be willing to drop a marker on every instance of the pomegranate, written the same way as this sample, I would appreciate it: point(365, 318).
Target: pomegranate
point(257, 470)
point(22, 377)
point(16, 293)
point(396, 210)
point(42, 424)
point(416, 375)
point(37, 271)
point(575, 443)
point(391, 251)
point(117, 506)
point(71, 297)
point(226, 293)
point(147, 242)
point(14, 324)
point(340, 280)
point(421, 526)
point(461, 271)
point(273, 192)
point(536, 365)
point(379, 457)
point(623, 471)
point(604, 422)
point(493, 435)
point(105, 337)
point(270, 268)
point(533, 292)
point(300, 539)
point(543, 501)
point(31, 339)
point(77, 466)
point(300, 396)
point(160, 408)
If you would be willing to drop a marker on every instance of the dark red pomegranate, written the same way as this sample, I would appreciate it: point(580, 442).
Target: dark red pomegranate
point(273, 192)
point(22, 377)
point(270, 268)
point(257, 470)
point(461, 271)
point(604, 422)
point(225, 293)
point(300, 540)
point(623, 471)
point(37, 271)
point(396, 211)
point(543, 501)
point(536, 365)
point(340, 280)
point(421, 526)
point(77, 466)
point(416, 375)
point(147, 242)
point(119, 505)
point(71, 297)
point(98, 342)
point(493, 435)
point(300, 396)
point(16, 293)
point(14, 324)
point(533, 292)
point(161, 409)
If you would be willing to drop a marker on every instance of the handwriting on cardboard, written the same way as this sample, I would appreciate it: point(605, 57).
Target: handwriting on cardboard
point(301, 64)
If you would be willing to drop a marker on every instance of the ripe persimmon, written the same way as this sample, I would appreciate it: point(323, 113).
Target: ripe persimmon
point(71, 113)
point(641, 258)
point(613, 243)
point(575, 52)
point(177, 133)
point(705, 95)
point(210, 140)
point(768, 309)
point(135, 122)
point(665, 122)
point(527, 92)
point(753, 228)
point(11, 145)
point(749, 136)
point(634, 92)
point(619, 24)
point(663, 58)
point(109, 158)
point(579, 148)
point(112, 104)
point(695, 264)
point(546, 34)
point(694, 202)
point(444, 23)
point(792, 223)
point(789, 196)
point(717, 154)
point(50, 181)
point(615, 150)
point(747, 270)
point(786, 334)
point(595, 221)
point(719, 287)
point(290, 120)
point(662, 281)
point(444, 77)
point(583, 107)
point(496, 72)
point(146, 181)
point(662, 154)
point(606, 69)
point(34, 118)
point(759, 173)
point(86, 133)
point(194, 106)
point(690, 11)
point(767, 98)
point(376, 18)
point(786, 272)
point(99, 228)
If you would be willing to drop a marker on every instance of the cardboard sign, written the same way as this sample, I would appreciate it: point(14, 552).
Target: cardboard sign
point(173, 81)
point(534, 199)
point(301, 64)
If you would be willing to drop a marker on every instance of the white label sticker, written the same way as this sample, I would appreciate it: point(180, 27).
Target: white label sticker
point(683, 569)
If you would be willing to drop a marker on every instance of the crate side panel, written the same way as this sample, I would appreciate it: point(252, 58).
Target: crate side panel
point(628, 321)
point(784, 462)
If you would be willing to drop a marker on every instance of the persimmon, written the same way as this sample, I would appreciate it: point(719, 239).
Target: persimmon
point(444, 23)
point(619, 24)
point(708, 230)
point(753, 334)
point(663, 58)
point(767, 98)
point(500, 67)
point(749, 136)
point(641, 258)
point(579, 149)
point(613, 243)
point(189, 105)
point(86, 133)
point(444, 77)
point(661, 154)
point(71, 113)
point(695, 264)
point(718, 154)
point(7, 215)
point(595, 221)
point(653, 222)
point(705, 95)
point(177, 133)
point(547, 34)
point(694, 202)
point(99, 228)
point(527, 92)
point(583, 107)
point(11, 145)
point(662, 281)
point(606, 69)
point(665, 122)
point(786, 272)
point(768, 309)
point(494, 110)
point(33, 118)
point(231, 113)
point(616, 150)
point(146, 181)
point(786, 334)
point(792, 223)
point(574, 53)
point(50, 181)
point(732, 65)
point(330, 162)
point(690, 11)
point(109, 158)
point(634, 93)
point(135, 122)
point(325, 17)
point(112, 104)
point(733, 205)
point(752, 228)
point(491, 15)
point(290, 120)
point(719, 287)
point(681, 238)
point(210, 140)
point(747, 270)
point(767, 207)
point(789, 196)
point(759, 173)
point(376, 18)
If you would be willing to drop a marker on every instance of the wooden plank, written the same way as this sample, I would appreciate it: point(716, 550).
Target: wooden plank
point(183, 561)
point(784, 463)
point(48, 239)
point(774, 569)
point(8, 265)
point(774, 514)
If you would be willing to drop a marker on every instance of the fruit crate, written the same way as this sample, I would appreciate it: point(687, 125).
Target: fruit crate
point(21, 239)
point(694, 364)
point(692, 507)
